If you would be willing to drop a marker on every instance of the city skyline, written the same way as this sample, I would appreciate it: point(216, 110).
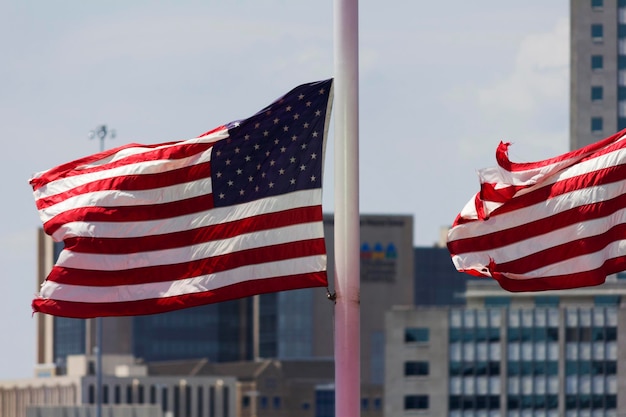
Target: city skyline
point(468, 76)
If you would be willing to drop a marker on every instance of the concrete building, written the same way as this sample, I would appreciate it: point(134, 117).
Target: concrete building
point(127, 387)
point(597, 70)
point(509, 354)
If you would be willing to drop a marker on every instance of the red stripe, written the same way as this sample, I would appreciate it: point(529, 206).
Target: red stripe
point(162, 305)
point(596, 148)
point(76, 167)
point(162, 273)
point(130, 213)
point(562, 282)
point(123, 245)
point(132, 183)
point(565, 251)
point(505, 237)
point(586, 181)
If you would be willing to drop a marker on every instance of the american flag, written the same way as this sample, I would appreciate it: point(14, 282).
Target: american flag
point(548, 225)
point(153, 228)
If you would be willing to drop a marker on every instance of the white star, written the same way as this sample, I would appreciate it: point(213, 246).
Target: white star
point(250, 178)
point(285, 128)
point(218, 175)
point(239, 171)
point(272, 163)
point(241, 192)
point(292, 159)
point(288, 108)
point(306, 125)
point(303, 146)
point(276, 120)
point(302, 167)
point(256, 188)
point(237, 150)
point(276, 141)
point(312, 178)
point(301, 96)
point(246, 137)
point(248, 158)
point(262, 174)
point(222, 196)
point(296, 116)
point(271, 184)
point(292, 181)
point(265, 133)
point(308, 104)
point(230, 183)
point(314, 134)
point(236, 124)
point(322, 91)
point(256, 125)
point(283, 149)
point(294, 138)
point(318, 113)
point(267, 153)
point(256, 147)
point(227, 162)
point(313, 156)
point(281, 171)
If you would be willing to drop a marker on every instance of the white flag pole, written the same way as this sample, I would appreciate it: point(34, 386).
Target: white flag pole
point(347, 225)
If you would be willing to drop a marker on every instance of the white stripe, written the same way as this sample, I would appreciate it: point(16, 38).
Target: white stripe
point(541, 210)
point(582, 263)
point(120, 198)
point(139, 168)
point(209, 282)
point(537, 244)
point(612, 159)
point(117, 262)
point(304, 198)
point(213, 137)
point(499, 175)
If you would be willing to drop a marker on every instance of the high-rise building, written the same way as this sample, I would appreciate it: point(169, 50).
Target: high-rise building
point(597, 70)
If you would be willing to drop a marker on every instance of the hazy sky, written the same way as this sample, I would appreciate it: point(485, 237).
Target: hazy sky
point(441, 84)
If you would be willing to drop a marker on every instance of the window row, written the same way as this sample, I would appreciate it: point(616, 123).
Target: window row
point(474, 368)
point(203, 400)
point(475, 385)
point(475, 334)
point(589, 351)
point(469, 352)
point(521, 402)
point(528, 351)
point(593, 402)
point(588, 334)
point(529, 368)
point(416, 402)
point(476, 402)
point(537, 334)
point(536, 385)
point(587, 384)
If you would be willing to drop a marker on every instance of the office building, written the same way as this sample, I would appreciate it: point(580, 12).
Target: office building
point(597, 70)
point(550, 354)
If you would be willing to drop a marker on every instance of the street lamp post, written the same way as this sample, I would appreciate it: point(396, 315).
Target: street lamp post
point(101, 132)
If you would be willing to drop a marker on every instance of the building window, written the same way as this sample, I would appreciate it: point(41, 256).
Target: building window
point(597, 62)
point(378, 403)
point(607, 300)
point(416, 334)
point(597, 4)
point(416, 368)
point(597, 124)
point(416, 402)
point(597, 93)
point(597, 32)
point(277, 403)
point(553, 301)
point(497, 301)
point(365, 403)
point(263, 403)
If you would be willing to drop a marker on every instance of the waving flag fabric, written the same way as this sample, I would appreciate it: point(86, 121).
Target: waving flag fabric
point(153, 228)
point(553, 224)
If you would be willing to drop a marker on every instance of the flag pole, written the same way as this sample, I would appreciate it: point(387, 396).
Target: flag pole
point(101, 133)
point(347, 225)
